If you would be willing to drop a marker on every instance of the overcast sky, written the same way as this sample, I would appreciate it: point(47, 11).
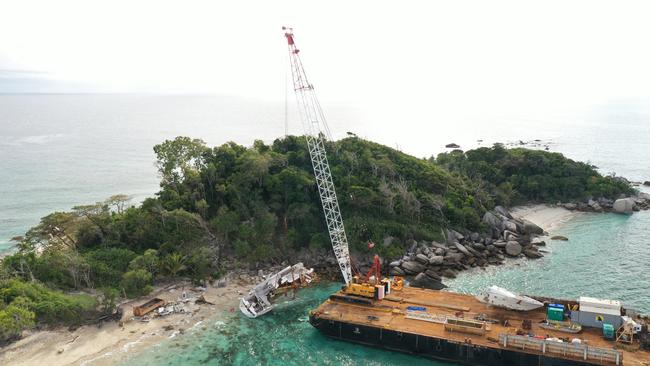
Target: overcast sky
point(485, 52)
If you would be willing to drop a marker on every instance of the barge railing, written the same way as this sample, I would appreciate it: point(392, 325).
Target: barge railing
point(598, 355)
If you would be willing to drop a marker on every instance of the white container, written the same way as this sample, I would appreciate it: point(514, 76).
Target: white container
point(599, 306)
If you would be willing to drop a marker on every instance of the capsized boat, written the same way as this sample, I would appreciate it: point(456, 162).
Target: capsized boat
point(501, 297)
point(258, 301)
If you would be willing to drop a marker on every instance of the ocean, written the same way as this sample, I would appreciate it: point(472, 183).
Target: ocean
point(57, 151)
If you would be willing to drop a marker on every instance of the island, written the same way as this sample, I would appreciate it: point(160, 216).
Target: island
point(237, 209)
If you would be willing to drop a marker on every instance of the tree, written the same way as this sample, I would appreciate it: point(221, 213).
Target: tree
point(137, 283)
point(14, 319)
point(174, 263)
point(56, 229)
point(148, 261)
point(176, 157)
point(118, 202)
point(107, 300)
point(98, 214)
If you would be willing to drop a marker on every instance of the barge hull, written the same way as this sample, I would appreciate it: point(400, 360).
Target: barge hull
point(432, 347)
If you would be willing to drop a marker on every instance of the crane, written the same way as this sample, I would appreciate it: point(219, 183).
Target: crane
point(316, 131)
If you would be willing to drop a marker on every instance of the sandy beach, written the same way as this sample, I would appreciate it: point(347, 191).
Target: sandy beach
point(547, 217)
point(115, 341)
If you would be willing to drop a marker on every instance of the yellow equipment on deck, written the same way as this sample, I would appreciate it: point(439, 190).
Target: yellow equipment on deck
point(360, 289)
point(398, 283)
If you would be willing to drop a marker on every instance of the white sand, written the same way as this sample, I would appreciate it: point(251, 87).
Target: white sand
point(93, 346)
point(547, 217)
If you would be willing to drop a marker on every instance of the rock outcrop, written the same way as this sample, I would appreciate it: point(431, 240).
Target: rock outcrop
point(426, 263)
point(513, 248)
point(424, 281)
point(624, 205)
point(413, 267)
point(532, 228)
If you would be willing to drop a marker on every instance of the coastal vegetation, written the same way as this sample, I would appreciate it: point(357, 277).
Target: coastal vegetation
point(230, 206)
point(519, 175)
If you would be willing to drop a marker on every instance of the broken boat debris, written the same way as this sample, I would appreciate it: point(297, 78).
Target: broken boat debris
point(258, 300)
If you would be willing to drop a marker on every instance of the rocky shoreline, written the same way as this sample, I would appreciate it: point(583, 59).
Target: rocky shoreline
point(426, 263)
point(624, 205)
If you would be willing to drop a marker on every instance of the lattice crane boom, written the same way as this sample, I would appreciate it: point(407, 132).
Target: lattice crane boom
point(316, 131)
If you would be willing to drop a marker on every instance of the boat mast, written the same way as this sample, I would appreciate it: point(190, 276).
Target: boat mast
point(316, 131)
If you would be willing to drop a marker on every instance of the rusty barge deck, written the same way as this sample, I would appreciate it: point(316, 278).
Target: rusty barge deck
point(388, 324)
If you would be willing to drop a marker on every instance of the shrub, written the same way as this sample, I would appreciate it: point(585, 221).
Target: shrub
point(137, 283)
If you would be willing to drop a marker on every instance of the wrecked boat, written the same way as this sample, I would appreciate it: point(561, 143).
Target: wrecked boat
point(503, 298)
point(258, 301)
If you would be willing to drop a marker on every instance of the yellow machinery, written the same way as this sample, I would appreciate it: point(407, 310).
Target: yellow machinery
point(372, 288)
point(360, 289)
point(397, 284)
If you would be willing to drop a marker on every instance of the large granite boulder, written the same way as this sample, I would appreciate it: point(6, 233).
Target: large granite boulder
point(454, 236)
point(499, 244)
point(532, 254)
point(492, 220)
point(559, 237)
point(449, 273)
point(532, 228)
point(453, 257)
point(437, 245)
point(513, 248)
point(624, 205)
point(478, 246)
point(436, 260)
point(538, 242)
point(502, 211)
point(424, 281)
point(509, 235)
point(413, 267)
point(462, 249)
point(396, 271)
point(509, 225)
point(422, 258)
point(433, 274)
point(570, 206)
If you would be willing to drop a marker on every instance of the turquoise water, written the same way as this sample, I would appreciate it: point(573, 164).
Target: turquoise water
point(607, 256)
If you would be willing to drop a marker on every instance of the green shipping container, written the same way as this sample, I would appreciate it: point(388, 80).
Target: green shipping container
point(555, 314)
point(608, 331)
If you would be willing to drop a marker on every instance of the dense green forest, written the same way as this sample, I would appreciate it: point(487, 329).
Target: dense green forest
point(514, 176)
point(230, 205)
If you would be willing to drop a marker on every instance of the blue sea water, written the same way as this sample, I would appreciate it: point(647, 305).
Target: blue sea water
point(57, 151)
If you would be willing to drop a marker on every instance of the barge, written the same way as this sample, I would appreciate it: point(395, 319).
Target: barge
point(458, 328)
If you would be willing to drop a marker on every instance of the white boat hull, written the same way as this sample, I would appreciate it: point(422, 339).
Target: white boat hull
point(258, 301)
point(503, 298)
